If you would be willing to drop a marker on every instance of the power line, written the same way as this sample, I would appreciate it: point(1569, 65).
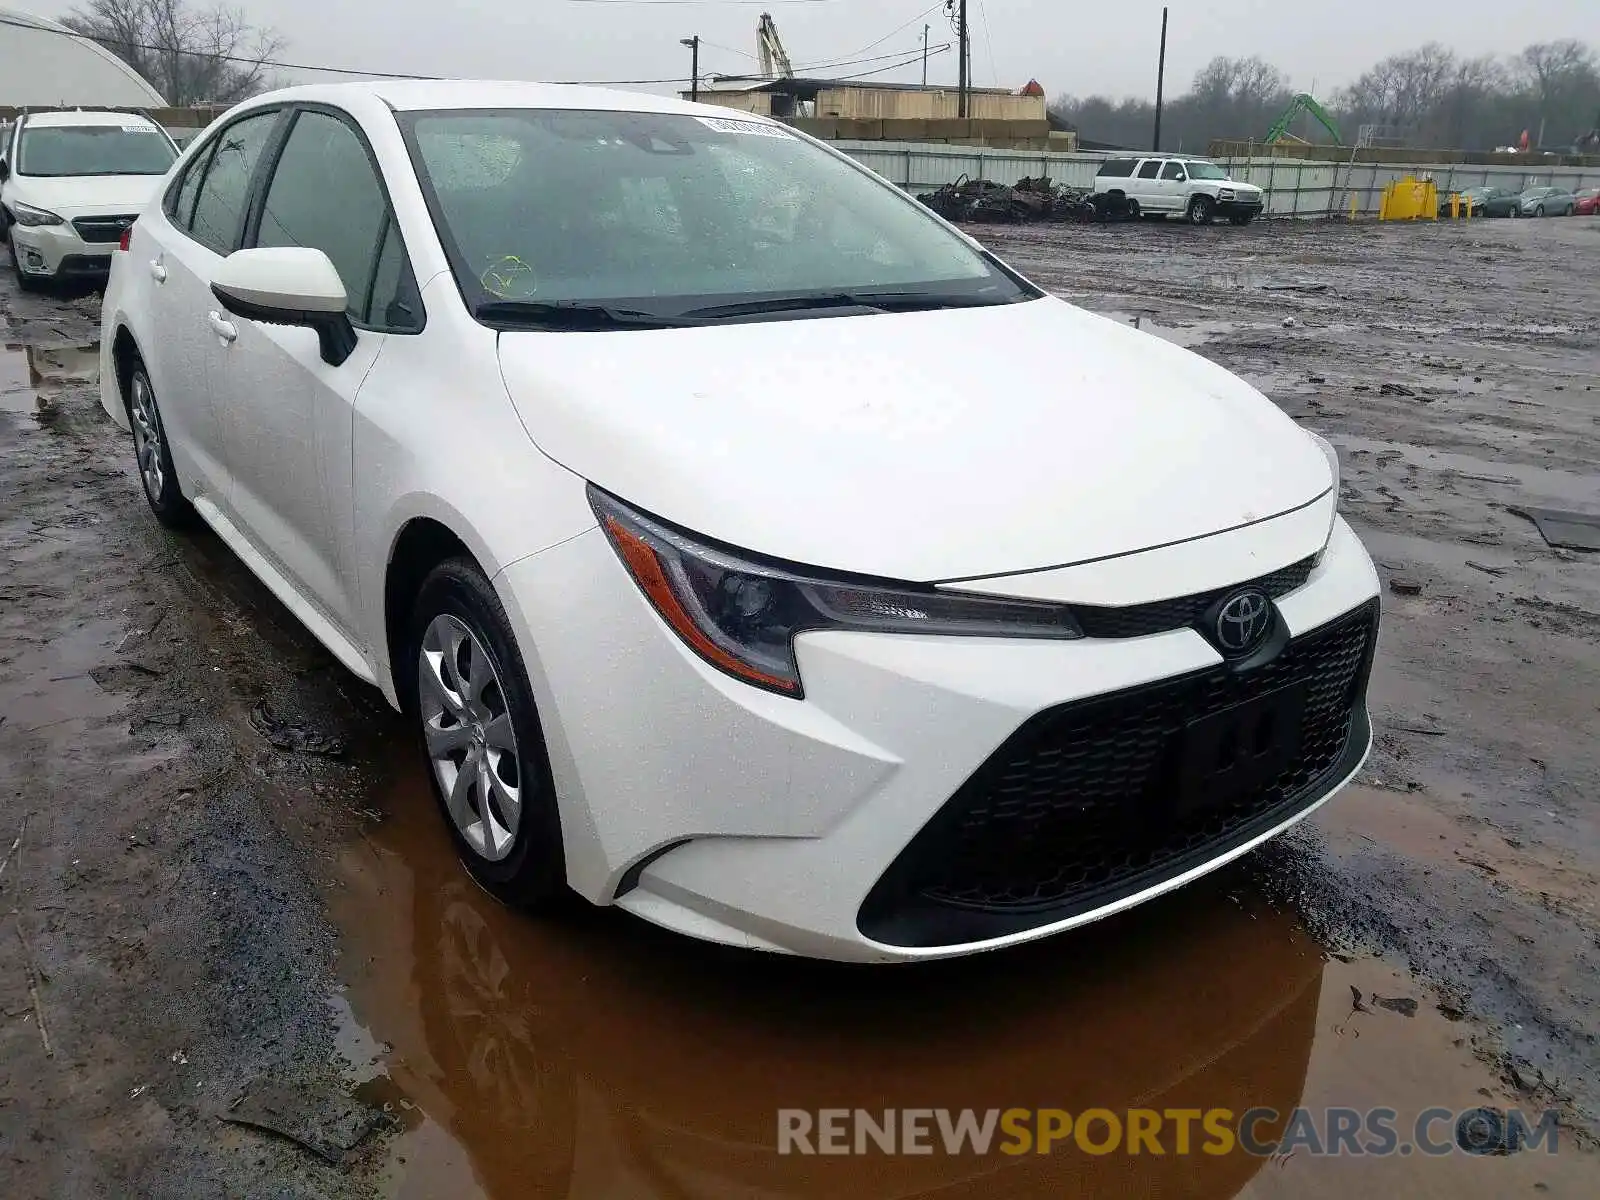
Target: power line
point(931, 8)
point(988, 41)
point(279, 64)
point(915, 58)
point(702, 3)
point(111, 43)
point(851, 62)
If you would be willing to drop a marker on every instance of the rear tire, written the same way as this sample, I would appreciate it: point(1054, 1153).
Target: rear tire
point(152, 455)
point(481, 739)
point(1133, 209)
point(1201, 210)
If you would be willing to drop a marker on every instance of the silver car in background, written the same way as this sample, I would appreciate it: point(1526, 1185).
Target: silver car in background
point(1546, 202)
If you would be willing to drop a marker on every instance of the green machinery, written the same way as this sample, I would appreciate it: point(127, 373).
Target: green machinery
point(1302, 104)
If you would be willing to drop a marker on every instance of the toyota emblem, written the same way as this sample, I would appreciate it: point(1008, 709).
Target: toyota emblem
point(1243, 621)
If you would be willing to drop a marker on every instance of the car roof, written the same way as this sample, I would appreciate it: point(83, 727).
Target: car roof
point(414, 94)
point(76, 118)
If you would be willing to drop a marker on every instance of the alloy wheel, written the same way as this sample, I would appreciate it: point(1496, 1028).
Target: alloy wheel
point(471, 743)
point(146, 437)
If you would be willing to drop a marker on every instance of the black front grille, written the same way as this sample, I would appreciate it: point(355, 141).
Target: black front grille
point(1137, 620)
point(1080, 807)
point(102, 229)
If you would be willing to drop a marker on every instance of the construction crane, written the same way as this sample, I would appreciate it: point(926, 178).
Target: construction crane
point(1302, 104)
point(775, 62)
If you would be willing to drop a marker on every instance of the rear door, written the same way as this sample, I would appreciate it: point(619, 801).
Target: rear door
point(1145, 186)
point(289, 413)
point(204, 213)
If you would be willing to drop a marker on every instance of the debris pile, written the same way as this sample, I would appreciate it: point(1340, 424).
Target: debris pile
point(982, 200)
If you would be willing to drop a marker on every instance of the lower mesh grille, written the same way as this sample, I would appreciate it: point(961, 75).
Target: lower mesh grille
point(1102, 798)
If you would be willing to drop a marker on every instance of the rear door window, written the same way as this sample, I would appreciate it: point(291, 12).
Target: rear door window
point(1116, 168)
point(1149, 168)
point(224, 193)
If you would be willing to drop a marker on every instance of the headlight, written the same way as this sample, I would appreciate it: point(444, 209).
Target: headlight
point(1332, 456)
point(1225, 193)
point(28, 215)
point(1329, 453)
point(742, 616)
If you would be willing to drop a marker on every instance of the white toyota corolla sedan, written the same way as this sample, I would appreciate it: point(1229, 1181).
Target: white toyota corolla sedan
point(752, 549)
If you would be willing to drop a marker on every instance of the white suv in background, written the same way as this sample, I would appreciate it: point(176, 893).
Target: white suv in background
point(71, 183)
point(1197, 190)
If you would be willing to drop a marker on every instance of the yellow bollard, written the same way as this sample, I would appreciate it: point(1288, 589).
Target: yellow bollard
point(1455, 205)
point(1354, 200)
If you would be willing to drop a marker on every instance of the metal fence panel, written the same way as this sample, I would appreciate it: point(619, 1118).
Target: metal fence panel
point(1293, 187)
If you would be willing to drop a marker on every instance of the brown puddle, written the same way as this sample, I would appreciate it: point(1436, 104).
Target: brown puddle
point(591, 1055)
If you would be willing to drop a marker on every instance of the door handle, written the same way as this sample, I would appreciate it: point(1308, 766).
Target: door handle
point(157, 271)
point(224, 329)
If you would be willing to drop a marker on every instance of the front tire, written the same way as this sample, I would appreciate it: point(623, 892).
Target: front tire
point(481, 738)
point(1538, 210)
point(1201, 210)
point(152, 454)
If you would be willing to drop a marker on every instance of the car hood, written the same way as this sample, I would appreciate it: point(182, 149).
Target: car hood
point(93, 195)
point(1238, 185)
point(920, 446)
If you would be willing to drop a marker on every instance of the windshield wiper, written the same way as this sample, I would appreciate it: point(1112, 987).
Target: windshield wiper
point(573, 314)
point(904, 301)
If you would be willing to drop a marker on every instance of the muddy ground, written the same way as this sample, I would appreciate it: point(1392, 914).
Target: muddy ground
point(229, 877)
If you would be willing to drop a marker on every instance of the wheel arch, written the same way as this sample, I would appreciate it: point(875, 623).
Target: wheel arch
point(124, 354)
point(420, 545)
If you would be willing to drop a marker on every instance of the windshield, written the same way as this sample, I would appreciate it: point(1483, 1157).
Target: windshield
point(60, 150)
point(1205, 170)
point(668, 213)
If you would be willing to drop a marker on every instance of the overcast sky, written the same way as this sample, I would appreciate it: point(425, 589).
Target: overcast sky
point(1069, 47)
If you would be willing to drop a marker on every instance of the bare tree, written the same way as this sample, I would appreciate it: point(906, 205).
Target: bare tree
point(1402, 88)
point(1446, 101)
point(190, 55)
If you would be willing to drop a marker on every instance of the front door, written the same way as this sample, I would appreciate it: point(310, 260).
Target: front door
point(1174, 186)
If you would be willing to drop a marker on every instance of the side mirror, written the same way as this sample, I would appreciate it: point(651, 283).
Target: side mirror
point(288, 285)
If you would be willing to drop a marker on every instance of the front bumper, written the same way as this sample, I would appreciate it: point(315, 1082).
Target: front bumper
point(58, 252)
point(740, 816)
point(1240, 206)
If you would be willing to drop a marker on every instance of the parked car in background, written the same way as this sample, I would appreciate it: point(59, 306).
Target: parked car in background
point(1545, 202)
point(640, 506)
point(1587, 202)
point(1191, 188)
point(1482, 201)
point(71, 183)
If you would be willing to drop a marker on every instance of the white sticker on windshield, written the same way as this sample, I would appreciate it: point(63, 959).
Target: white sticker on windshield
point(137, 129)
point(723, 125)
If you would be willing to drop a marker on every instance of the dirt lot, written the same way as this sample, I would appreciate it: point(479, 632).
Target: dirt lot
point(229, 884)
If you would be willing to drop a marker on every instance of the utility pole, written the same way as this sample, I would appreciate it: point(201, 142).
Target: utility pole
point(966, 68)
point(925, 55)
point(694, 64)
point(1161, 77)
